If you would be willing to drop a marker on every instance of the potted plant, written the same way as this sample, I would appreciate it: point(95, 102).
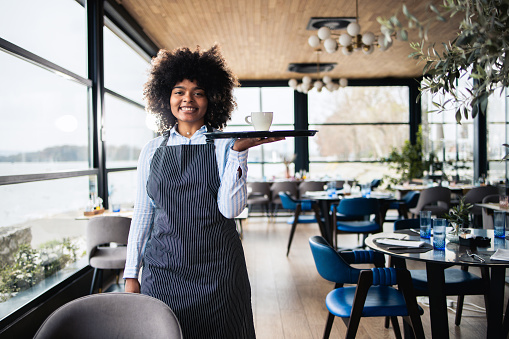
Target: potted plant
point(407, 161)
point(459, 219)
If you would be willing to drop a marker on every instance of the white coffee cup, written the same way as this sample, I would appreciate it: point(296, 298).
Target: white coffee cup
point(261, 121)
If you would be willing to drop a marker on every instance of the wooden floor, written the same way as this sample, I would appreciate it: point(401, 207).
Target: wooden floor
point(289, 296)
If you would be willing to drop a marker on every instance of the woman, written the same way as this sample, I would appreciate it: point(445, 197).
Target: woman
point(189, 190)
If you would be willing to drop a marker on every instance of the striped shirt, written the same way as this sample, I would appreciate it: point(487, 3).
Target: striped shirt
point(231, 199)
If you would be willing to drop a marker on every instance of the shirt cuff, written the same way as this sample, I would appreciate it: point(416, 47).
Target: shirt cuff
point(131, 272)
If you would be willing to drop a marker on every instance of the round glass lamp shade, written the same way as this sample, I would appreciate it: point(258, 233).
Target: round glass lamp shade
point(306, 80)
point(330, 45)
point(346, 50)
point(293, 83)
point(314, 41)
point(324, 33)
point(327, 79)
point(384, 44)
point(318, 85)
point(368, 49)
point(345, 39)
point(353, 28)
point(343, 82)
point(368, 38)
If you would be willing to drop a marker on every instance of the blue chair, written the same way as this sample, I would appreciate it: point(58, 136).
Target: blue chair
point(356, 208)
point(373, 296)
point(408, 201)
point(403, 224)
point(299, 206)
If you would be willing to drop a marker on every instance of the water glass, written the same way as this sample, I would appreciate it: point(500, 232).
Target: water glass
point(366, 190)
point(425, 217)
point(499, 224)
point(331, 189)
point(439, 227)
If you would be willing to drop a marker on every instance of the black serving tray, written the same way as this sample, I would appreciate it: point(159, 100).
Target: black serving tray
point(260, 134)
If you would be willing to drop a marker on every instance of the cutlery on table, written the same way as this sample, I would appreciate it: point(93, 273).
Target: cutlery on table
point(475, 256)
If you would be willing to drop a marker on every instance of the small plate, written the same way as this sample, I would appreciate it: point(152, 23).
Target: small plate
point(260, 134)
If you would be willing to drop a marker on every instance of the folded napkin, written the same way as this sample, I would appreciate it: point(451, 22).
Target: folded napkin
point(403, 243)
point(500, 254)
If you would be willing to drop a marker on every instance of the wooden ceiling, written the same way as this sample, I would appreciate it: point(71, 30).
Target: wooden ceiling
point(259, 38)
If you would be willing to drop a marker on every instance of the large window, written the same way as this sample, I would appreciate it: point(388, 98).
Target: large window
point(266, 162)
point(448, 146)
point(52, 29)
point(48, 169)
point(45, 120)
point(498, 129)
point(357, 127)
point(126, 131)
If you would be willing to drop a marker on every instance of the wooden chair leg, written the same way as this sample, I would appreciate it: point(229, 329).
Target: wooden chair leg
point(94, 277)
point(318, 217)
point(365, 281)
point(328, 326)
point(334, 227)
point(294, 226)
point(459, 309)
point(387, 322)
point(100, 280)
point(395, 327)
point(406, 287)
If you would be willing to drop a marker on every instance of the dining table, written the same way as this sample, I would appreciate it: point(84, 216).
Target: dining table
point(453, 254)
point(326, 200)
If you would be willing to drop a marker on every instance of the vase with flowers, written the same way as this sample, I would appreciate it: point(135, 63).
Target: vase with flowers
point(459, 219)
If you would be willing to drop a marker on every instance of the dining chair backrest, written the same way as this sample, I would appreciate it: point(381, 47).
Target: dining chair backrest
point(105, 230)
point(112, 315)
point(375, 183)
point(307, 186)
point(477, 194)
point(439, 195)
point(290, 203)
point(329, 263)
point(411, 199)
point(260, 188)
point(284, 186)
point(358, 207)
point(487, 218)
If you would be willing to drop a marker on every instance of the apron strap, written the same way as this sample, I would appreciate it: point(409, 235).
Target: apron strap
point(210, 130)
point(166, 135)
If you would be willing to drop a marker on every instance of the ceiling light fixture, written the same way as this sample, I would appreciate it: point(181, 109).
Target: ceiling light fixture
point(308, 84)
point(350, 41)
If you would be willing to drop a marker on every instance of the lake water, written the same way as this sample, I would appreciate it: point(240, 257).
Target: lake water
point(23, 202)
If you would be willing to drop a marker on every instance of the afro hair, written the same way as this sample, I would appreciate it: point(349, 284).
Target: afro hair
point(207, 68)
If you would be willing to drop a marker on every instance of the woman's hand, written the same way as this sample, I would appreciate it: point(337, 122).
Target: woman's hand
point(132, 285)
point(245, 143)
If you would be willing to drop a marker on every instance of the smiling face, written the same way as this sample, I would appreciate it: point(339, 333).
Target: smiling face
point(188, 103)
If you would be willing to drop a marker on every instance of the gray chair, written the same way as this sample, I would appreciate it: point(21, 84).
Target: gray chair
point(434, 199)
point(106, 245)
point(112, 315)
point(310, 186)
point(259, 194)
point(475, 196)
point(487, 214)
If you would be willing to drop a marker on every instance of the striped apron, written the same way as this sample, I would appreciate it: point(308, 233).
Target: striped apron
point(194, 260)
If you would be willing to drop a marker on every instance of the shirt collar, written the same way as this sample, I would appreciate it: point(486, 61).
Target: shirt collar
point(202, 130)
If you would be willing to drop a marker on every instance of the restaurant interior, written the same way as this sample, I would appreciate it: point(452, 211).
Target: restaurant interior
point(71, 97)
